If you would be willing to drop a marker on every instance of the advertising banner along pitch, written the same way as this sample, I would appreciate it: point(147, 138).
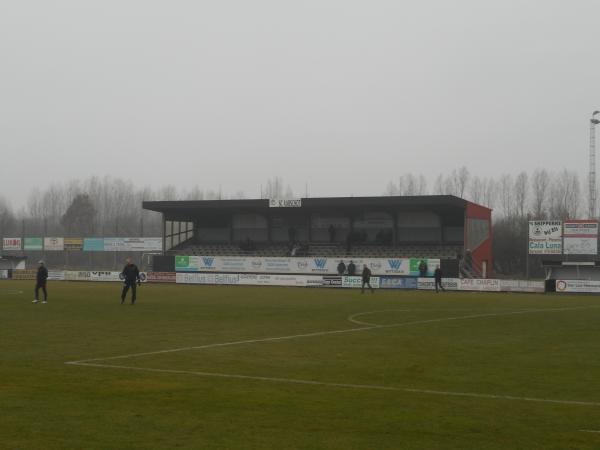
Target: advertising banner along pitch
point(578, 286)
point(314, 266)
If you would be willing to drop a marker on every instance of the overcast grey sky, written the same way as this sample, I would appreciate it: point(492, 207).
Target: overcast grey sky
point(343, 95)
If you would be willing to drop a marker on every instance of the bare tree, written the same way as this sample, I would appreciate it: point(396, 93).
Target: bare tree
point(565, 195)
point(7, 218)
point(391, 189)
point(521, 190)
point(460, 181)
point(476, 190)
point(275, 189)
point(539, 184)
point(506, 194)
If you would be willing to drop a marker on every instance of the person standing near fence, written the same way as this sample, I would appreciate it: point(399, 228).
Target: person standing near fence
point(131, 277)
point(41, 277)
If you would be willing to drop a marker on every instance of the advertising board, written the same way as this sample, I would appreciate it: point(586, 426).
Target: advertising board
point(93, 244)
point(33, 243)
point(129, 244)
point(578, 286)
point(331, 281)
point(281, 203)
point(54, 244)
point(73, 244)
point(246, 279)
point(54, 275)
point(479, 284)
point(19, 274)
point(318, 265)
point(397, 283)
point(545, 237)
point(522, 286)
point(86, 275)
point(581, 237)
point(356, 282)
point(428, 284)
point(207, 278)
point(12, 244)
point(161, 277)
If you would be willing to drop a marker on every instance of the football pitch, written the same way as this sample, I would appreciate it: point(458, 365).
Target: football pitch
point(205, 367)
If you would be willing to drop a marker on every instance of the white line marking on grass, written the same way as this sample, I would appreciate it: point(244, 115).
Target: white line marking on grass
point(331, 332)
point(352, 318)
point(11, 292)
point(590, 431)
point(345, 385)
point(94, 362)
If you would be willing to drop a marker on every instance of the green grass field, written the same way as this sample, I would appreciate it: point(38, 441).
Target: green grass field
point(453, 371)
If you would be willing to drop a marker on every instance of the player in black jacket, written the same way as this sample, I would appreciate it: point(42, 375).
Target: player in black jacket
point(366, 279)
point(131, 276)
point(42, 276)
point(437, 275)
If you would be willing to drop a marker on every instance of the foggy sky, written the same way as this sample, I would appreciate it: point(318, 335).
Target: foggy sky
point(341, 95)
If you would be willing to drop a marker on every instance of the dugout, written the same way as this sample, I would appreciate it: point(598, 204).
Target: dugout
point(441, 226)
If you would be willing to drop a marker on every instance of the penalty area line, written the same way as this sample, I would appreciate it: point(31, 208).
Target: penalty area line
point(347, 385)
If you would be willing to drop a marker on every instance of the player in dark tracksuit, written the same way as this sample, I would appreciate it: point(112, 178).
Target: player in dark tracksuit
point(131, 277)
point(366, 279)
point(437, 275)
point(42, 276)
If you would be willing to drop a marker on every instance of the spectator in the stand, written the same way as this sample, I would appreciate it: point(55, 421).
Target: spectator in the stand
point(437, 275)
point(366, 279)
point(363, 236)
point(468, 262)
point(341, 268)
point(247, 245)
point(331, 233)
point(351, 269)
point(423, 268)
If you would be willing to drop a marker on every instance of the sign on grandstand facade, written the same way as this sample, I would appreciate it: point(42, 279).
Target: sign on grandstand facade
point(545, 237)
point(281, 203)
point(581, 237)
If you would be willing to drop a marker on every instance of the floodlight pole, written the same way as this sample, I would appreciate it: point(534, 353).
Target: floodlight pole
point(592, 173)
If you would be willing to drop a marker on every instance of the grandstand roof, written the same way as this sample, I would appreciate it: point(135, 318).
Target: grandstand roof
point(432, 202)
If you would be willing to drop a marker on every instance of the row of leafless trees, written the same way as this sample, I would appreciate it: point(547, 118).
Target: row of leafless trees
point(103, 207)
point(516, 199)
point(539, 195)
point(111, 206)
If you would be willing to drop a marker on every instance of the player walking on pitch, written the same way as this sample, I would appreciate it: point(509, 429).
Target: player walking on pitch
point(131, 276)
point(437, 275)
point(366, 279)
point(41, 277)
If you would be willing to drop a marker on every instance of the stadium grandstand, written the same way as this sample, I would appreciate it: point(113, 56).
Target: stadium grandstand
point(456, 231)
